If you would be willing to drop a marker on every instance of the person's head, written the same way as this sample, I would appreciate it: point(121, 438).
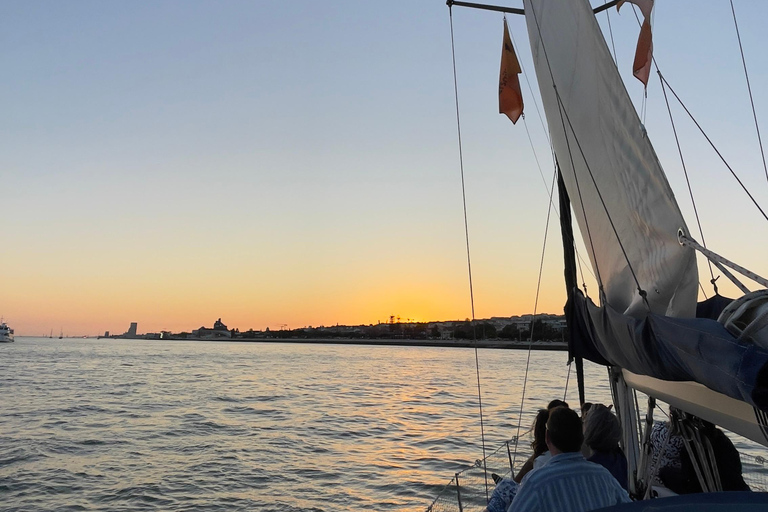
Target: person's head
point(539, 444)
point(556, 403)
point(564, 433)
point(602, 431)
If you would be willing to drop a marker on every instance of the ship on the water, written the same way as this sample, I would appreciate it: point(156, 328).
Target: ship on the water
point(6, 333)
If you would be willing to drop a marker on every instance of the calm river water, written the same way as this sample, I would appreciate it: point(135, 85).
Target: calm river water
point(150, 425)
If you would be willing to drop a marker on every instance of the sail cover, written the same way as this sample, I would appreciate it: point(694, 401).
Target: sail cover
point(623, 204)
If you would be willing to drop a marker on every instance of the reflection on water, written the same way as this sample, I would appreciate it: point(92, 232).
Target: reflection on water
point(126, 425)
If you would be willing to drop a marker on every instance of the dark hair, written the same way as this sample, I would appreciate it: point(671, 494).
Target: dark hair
point(564, 427)
point(556, 403)
point(539, 444)
point(602, 431)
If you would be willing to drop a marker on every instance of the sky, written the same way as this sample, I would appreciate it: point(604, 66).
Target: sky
point(288, 164)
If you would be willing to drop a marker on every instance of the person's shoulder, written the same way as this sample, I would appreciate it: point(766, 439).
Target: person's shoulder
point(542, 460)
point(593, 466)
point(558, 465)
point(597, 472)
point(527, 498)
point(528, 476)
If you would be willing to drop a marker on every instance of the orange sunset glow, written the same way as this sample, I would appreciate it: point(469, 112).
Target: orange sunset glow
point(170, 186)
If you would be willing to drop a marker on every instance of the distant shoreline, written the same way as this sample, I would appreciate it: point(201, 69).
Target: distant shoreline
point(497, 344)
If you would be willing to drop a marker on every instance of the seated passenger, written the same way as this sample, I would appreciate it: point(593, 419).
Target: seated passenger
point(506, 488)
point(502, 496)
point(539, 445)
point(683, 480)
point(602, 433)
point(666, 449)
point(567, 483)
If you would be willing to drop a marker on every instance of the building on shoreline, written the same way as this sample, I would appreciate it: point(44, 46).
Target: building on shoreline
point(542, 328)
point(219, 330)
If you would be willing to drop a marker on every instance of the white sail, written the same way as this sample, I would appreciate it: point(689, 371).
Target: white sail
point(598, 138)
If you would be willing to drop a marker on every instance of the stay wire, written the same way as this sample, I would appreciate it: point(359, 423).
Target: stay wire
point(713, 279)
point(580, 258)
point(564, 117)
point(610, 31)
point(530, 89)
point(702, 288)
point(551, 207)
point(749, 88)
point(644, 103)
point(754, 201)
point(687, 180)
point(469, 260)
point(535, 155)
point(570, 153)
point(533, 318)
point(551, 199)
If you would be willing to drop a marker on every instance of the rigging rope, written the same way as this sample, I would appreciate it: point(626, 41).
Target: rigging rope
point(749, 88)
point(702, 288)
point(712, 144)
point(549, 210)
point(536, 157)
point(533, 96)
point(644, 104)
point(551, 201)
point(563, 118)
point(567, 380)
point(613, 44)
point(469, 260)
point(580, 258)
point(533, 318)
point(578, 185)
point(687, 180)
point(719, 260)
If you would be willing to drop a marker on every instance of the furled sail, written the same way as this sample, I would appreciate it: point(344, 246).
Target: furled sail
point(630, 219)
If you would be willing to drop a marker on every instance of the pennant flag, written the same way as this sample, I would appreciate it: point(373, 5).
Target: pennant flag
point(510, 95)
point(641, 68)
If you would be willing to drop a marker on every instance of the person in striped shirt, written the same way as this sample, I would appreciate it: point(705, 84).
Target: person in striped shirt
point(568, 482)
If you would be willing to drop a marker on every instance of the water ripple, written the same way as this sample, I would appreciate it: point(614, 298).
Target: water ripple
point(125, 425)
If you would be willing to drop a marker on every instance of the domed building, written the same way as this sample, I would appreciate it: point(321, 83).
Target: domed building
point(219, 330)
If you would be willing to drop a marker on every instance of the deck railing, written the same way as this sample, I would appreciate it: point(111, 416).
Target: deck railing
point(466, 492)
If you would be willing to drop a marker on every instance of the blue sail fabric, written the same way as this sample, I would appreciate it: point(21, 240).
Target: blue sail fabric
point(673, 349)
point(707, 502)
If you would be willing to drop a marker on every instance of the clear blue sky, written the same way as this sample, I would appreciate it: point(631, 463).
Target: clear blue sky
point(270, 163)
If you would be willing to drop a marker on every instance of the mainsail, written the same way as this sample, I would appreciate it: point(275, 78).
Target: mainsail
point(624, 206)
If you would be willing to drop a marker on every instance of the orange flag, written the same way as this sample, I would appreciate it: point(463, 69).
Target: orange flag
point(641, 68)
point(510, 96)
